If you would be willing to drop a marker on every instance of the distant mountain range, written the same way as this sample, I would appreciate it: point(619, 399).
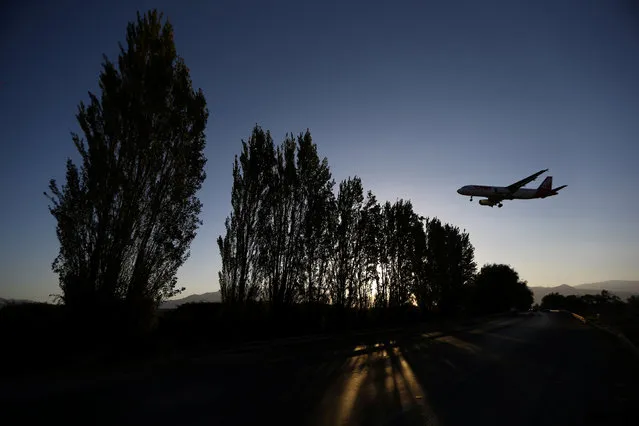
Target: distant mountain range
point(213, 296)
point(623, 289)
point(7, 301)
point(169, 304)
point(620, 288)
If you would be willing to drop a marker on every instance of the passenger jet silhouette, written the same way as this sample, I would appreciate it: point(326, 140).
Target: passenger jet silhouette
point(496, 194)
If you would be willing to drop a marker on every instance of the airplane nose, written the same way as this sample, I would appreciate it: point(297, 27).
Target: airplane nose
point(459, 191)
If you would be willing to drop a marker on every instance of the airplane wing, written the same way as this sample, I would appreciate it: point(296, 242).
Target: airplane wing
point(515, 186)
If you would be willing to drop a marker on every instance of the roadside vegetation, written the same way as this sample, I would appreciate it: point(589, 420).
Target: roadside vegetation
point(603, 309)
point(301, 252)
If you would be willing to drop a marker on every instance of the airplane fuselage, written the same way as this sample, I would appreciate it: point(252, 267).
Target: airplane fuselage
point(499, 191)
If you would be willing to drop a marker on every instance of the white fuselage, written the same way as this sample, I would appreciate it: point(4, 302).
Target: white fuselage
point(498, 191)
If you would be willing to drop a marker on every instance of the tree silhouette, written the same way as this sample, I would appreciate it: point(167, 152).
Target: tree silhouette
point(431, 292)
point(604, 303)
point(277, 243)
point(553, 301)
point(497, 288)
point(347, 254)
point(240, 248)
point(449, 269)
point(127, 215)
point(460, 268)
point(633, 306)
point(281, 248)
point(404, 233)
point(318, 201)
point(367, 236)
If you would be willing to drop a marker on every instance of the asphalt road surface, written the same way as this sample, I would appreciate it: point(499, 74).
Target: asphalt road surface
point(543, 369)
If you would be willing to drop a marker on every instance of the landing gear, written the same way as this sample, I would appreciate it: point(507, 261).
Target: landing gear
point(500, 205)
point(471, 199)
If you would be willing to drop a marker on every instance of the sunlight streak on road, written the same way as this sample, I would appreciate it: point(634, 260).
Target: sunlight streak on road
point(451, 340)
point(350, 390)
point(381, 377)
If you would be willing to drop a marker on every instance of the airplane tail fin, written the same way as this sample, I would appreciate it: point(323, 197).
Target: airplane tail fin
point(546, 184)
point(545, 189)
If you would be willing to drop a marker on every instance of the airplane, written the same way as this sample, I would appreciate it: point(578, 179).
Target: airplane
point(496, 194)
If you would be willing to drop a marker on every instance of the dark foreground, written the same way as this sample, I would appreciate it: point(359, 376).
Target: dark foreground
point(543, 369)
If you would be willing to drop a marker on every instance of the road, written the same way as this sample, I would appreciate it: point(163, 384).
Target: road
point(547, 368)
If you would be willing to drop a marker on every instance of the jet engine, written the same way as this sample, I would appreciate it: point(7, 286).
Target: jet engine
point(486, 203)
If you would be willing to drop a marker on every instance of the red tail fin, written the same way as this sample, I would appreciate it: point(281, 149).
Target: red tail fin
point(545, 189)
point(547, 183)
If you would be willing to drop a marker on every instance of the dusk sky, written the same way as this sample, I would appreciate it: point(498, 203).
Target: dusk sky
point(417, 98)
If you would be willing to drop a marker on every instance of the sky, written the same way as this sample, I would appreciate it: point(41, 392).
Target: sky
point(418, 98)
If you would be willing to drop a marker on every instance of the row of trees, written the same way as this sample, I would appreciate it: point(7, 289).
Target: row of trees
point(290, 238)
point(604, 303)
point(128, 213)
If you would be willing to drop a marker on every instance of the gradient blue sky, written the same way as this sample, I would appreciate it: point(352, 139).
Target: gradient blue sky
point(417, 98)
